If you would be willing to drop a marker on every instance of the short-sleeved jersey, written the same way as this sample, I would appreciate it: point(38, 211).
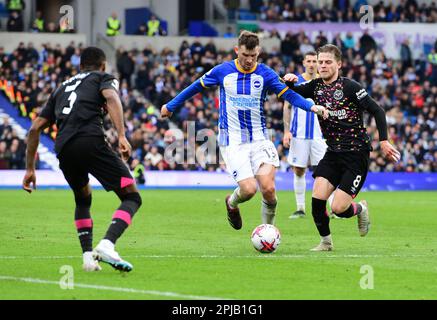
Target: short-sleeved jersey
point(77, 106)
point(242, 96)
point(346, 101)
point(304, 124)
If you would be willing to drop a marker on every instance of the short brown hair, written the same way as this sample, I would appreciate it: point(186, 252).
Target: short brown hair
point(248, 39)
point(310, 53)
point(330, 48)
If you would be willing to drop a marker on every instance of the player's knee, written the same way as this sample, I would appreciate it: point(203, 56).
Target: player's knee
point(338, 208)
point(134, 199)
point(300, 172)
point(248, 190)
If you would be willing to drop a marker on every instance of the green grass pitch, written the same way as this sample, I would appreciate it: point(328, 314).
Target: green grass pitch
point(182, 247)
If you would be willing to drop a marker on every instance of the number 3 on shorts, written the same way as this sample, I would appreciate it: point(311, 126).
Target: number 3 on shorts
point(357, 181)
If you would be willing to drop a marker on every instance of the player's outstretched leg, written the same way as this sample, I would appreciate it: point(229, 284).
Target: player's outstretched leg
point(344, 207)
point(266, 181)
point(321, 219)
point(322, 189)
point(234, 217)
point(245, 191)
point(84, 226)
point(363, 218)
point(105, 250)
point(90, 262)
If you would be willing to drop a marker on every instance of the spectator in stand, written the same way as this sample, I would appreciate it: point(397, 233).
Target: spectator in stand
point(367, 43)
point(75, 58)
point(153, 26)
point(229, 33)
point(126, 67)
point(15, 5)
point(406, 55)
point(38, 23)
point(15, 22)
point(113, 25)
point(142, 30)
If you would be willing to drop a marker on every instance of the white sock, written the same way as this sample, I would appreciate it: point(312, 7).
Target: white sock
point(268, 212)
point(235, 199)
point(327, 239)
point(299, 191)
point(330, 199)
point(107, 243)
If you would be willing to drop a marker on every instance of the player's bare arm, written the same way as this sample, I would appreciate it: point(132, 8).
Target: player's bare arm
point(115, 110)
point(286, 118)
point(32, 146)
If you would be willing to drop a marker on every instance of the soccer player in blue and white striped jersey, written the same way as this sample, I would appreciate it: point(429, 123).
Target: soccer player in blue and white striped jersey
point(303, 136)
point(250, 156)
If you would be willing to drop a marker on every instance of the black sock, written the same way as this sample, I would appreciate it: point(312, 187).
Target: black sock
point(320, 217)
point(353, 210)
point(123, 216)
point(84, 223)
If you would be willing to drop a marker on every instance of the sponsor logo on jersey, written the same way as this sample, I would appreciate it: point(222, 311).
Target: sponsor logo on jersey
point(338, 95)
point(79, 76)
point(339, 114)
point(361, 94)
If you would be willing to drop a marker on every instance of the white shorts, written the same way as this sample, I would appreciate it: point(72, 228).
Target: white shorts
point(305, 152)
point(243, 161)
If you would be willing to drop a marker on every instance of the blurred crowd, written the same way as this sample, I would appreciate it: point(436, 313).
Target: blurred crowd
point(12, 148)
point(406, 90)
point(343, 11)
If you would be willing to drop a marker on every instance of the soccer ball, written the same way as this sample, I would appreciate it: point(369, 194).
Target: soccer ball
point(266, 238)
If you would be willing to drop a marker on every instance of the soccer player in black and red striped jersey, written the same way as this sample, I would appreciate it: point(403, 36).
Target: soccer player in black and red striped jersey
point(344, 167)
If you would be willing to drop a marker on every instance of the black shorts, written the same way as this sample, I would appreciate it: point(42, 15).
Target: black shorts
point(345, 170)
point(84, 155)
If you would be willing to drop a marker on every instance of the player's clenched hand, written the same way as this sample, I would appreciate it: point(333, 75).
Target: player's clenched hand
point(165, 113)
point(287, 139)
point(320, 111)
point(29, 178)
point(290, 77)
point(125, 148)
point(390, 152)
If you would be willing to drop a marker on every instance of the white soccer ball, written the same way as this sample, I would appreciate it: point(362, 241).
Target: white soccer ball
point(266, 238)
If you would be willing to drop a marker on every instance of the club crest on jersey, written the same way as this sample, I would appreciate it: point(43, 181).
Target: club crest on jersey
point(338, 95)
point(257, 84)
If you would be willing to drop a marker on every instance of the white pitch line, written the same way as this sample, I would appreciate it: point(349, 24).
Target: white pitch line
point(271, 256)
point(116, 289)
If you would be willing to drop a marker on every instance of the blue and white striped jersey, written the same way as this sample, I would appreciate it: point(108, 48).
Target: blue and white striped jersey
point(242, 97)
point(303, 124)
